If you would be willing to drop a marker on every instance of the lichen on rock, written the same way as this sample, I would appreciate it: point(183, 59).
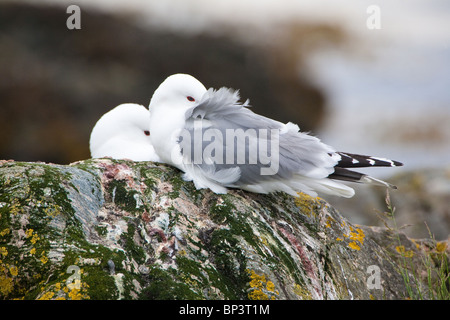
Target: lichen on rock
point(110, 229)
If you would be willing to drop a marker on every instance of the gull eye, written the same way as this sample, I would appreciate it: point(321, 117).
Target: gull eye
point(147, 133)
point(190, 98)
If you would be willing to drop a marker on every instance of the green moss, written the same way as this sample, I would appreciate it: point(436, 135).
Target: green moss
point(192, 273)
point(101, 284)
point(42, 199)
point(101, 230)
point(121, 196)
point(220, 212)
point(225, 212)
point(33, 196)
point(230, 262)
point(148, 175)
point(132, 249)
point(174, 176)
point(190, 267)
point(162, 285)
point(241, 226)
point(97, 277)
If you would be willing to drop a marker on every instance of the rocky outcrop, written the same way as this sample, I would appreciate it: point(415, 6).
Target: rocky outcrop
point(108, 229)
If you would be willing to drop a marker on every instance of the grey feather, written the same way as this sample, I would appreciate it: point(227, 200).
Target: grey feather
point(299, 153)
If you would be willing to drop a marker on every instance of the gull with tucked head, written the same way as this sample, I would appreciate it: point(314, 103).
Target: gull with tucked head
point(219, 143)
point(123, 133)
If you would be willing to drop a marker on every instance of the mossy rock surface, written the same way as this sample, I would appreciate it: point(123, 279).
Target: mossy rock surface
point(108, 229)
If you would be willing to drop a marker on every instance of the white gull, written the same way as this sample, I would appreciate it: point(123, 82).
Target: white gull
point(220, 143)
point(123, 133)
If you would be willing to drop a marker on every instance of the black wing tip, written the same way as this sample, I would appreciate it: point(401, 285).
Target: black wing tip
point(351, 160)
point(397, 163)
point(344, 174)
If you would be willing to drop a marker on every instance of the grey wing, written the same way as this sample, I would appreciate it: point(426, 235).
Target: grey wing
point(223, 135)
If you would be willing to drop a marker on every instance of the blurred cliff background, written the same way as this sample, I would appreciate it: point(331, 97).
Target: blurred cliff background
point(382, 91)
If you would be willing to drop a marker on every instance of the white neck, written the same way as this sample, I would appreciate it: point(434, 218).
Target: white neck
point(165, 124)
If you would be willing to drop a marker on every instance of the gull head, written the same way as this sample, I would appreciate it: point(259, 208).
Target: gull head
point(123, 133)
point(178, 91)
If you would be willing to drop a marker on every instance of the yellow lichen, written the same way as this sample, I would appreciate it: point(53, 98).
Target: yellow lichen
point(14, 271)
point(58, 291)
point(4, 232)
point(307, 203)
point(353, 245)
point(6, 282)
point(6, 285)
point(303, 293)
point(15, 207)
point(405, 253)
point(357, 236)
point(79, 292)
point(44, 259)
point(29, 233)
point(441, 246)
point(416, 244)
point(264, 240)
point(329, 221)
point(3, 251)
point(256, 280)
point(35, 239)
point(270, 286)
point(53, 210)
point(261, 288)
point(258, 295)
point(75, 294)
point(47, 296)
point(34, 236)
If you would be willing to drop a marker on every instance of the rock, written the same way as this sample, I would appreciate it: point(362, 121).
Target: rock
point(108, 229)
point(421, 203)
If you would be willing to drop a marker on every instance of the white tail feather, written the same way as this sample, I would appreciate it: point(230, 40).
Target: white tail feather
point(372, 180)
